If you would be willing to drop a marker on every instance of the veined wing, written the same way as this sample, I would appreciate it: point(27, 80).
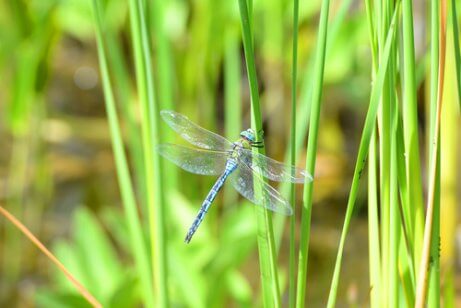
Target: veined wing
point(272, 169)
point(197, 161)
point(243, 181)
point(193, 133)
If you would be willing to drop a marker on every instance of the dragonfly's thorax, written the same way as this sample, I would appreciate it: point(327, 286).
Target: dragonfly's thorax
point(238, 146)
point(242, 143)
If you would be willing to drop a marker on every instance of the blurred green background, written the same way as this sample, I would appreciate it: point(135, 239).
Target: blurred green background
point(57, 172)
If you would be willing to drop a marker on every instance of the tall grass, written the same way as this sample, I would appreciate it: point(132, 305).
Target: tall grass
point(312, 152)
point(125, 183)
point(192, 53)
point(266, 244)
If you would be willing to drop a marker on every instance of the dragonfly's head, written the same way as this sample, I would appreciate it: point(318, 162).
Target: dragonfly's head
point(249, 135)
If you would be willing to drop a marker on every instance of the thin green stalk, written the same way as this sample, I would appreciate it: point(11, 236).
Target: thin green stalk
point(294, 72)
point(304, 108)
point(384, 122)
point(433, 209)
point(410, 129)
point(124, 93)
point(394, 214)
point(363, 149)
point(312, 152)
point(373, 205)
point(454, 22)
point(433, 296)
point(123, 175)
point(407, 270)
point(373, 226)
point(150, 136)
point(266, 244)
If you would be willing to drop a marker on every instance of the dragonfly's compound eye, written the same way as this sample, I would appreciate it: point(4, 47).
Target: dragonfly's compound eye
point(248, 135)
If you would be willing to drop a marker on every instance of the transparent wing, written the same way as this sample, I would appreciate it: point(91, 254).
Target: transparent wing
point(272, 169)
point(193, 133)
point(197, 161)
point(243, 181)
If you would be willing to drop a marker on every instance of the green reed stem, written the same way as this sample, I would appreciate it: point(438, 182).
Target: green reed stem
point(312, 152)
point(374, 245)
point(150, 136)
point(375, 96)
point(430, 228)
point(434, 274)
point(454, 22)
point(410, 131)
point(304, 107)
point(123, 175)
point(294, 72)
point(266, 244)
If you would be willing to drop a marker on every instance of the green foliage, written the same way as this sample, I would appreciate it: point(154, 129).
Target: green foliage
point(92, 257)
point(307, 72)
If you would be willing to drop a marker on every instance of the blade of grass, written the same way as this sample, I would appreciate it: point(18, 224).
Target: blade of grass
point(454, 22)
point(81, 289)
point(388, 274)
point(373, 208)
point(394, 214)
point(125, 94)
point(150, 136)
point(432, 188)
point(312, 152)
point(292, 219)
point(304, 108)
point(410, 129)
point(363, 149)
point(123, 175)
point(373, 226)
point(266, 244)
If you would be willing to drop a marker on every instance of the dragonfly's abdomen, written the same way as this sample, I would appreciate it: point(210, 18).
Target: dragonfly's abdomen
point(230, 167)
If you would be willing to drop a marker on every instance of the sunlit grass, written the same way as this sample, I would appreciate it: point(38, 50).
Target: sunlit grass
point(191, 57)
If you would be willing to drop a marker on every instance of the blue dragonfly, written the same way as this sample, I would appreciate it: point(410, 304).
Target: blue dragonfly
point(232, 161)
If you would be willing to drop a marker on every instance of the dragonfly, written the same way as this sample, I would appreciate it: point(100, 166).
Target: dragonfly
point(234, 162)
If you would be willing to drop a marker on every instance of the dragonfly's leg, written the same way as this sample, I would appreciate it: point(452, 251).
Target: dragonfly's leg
point(261, 134)
point(260, 143)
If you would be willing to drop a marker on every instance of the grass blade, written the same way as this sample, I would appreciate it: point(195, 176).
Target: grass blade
point(410, 130)
point(433, 209)
point(150, 136)
point(363, 150)
point(126, 187)
point(81, 289)
point(312, 152)
point(454, 22)
point(292, 219)
point(266, 244)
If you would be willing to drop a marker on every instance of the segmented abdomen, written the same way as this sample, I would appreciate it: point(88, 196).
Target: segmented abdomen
point(230, 167)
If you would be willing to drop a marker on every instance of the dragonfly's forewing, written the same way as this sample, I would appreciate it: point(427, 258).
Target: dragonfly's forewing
point(198, 161)
point(272, 169)
point(193, 133)
point(244, 182)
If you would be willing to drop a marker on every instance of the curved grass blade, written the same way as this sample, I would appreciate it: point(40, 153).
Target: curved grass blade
point(363, 151)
